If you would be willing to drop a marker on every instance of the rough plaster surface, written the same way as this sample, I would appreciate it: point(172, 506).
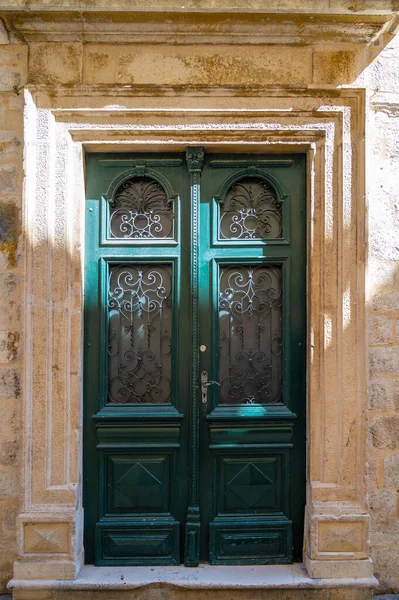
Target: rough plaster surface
point(72, 63)
point(381, 80)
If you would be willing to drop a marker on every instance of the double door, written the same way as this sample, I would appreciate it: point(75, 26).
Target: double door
point(194, 379)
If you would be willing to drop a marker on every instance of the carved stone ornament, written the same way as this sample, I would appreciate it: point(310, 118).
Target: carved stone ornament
point(195, 159)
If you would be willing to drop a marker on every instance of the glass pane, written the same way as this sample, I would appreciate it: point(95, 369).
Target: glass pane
point(250, 334)
point(250, 210)
point(141, 210)
point(139, 334)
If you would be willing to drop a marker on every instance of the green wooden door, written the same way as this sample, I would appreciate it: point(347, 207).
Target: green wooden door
point(194, 383)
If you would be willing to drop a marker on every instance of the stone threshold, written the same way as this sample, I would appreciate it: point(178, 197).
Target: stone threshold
point(204, 577)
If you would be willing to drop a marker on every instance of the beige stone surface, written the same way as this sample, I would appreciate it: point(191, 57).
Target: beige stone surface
point(381, 7)
point(382, 296)
point(169, 594)
point(45, 538)
point(341, 537)
point(55, 63)
point(140, 64)
point(13, 69)
point(85, 93)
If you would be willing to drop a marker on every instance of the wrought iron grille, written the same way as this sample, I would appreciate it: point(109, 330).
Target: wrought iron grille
point(250, 334)
point(141, 210)
point(139, 334)
point(250, 210)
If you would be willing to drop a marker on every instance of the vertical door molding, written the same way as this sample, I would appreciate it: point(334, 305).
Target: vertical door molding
point(195, 161)
point(51, 519)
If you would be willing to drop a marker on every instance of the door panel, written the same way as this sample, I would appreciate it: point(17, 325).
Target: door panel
point(252, 290)
point(136, 360)
point(194, 358)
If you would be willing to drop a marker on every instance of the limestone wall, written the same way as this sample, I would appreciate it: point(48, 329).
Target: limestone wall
point(13, 65)
point(76, 64)
point(382, 81)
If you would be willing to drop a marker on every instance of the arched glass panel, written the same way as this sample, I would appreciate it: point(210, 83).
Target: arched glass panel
point(141, 209)
point(250, 211)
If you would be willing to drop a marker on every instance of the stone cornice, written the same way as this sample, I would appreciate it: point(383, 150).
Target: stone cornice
point(337, 7)
point(227, 23)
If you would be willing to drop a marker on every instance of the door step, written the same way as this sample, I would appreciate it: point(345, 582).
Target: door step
point(206, 582)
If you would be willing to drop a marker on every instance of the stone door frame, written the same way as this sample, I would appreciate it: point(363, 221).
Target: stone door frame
point(62, 122)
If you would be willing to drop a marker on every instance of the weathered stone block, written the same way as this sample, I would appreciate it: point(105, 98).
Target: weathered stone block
point(372, 474)
point(9, 383)
point(380, 330)
point(9, 481)
point(381, 274)
point(13, 66)
point(395, 385)
point(334, 67)
point(10, 229)
point(7, 552)
point(46, 537)
point(4, 37)
point(9, 344)
point(385, 433)
point(51, 63)
point(9, 453)
point(384, 298)
point(10, 418)
point(202, 64)
point(384, 361)
point(386, 561)
point(383, 504)
point(384, 533)
point(340, 537)
point(8, 179)
point(391, 471)
point(11, 149)
point(9, 528)
point(6, 314)
point(8, 284)
point(380, 396)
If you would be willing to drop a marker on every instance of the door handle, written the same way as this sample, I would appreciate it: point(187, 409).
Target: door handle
point(205, 385)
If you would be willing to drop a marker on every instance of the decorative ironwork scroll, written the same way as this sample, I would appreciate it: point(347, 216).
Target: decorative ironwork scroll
point(250, 210)
point(250, 334)
point(139, 334)
point(141, 209)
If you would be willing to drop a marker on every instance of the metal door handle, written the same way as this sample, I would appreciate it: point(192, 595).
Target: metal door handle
point(204, 386)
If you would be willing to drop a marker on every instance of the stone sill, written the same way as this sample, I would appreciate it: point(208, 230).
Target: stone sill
point(203, 577)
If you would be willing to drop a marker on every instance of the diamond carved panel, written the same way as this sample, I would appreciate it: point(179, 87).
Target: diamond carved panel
point(138, 484)
point(250, 485)
point(340, 537)
point(46, 538)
